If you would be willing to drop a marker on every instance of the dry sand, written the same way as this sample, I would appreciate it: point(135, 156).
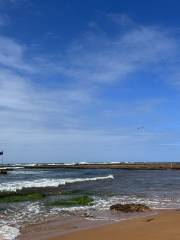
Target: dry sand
point(165, 226)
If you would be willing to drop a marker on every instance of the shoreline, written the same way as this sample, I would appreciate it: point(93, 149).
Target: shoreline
point(46, 216)
point(164, 226)
point(62, 226)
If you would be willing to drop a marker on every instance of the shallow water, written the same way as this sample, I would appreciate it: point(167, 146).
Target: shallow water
point(158, 189)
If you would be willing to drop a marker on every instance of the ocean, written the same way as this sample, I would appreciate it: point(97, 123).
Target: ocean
point(158, 189)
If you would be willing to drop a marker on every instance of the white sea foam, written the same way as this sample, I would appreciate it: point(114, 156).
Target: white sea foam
point(8, 232)
point(69, 164)
point(17, 168)
point(115, 162)
point(41, 183)
point(154, 203)
point(30, 165)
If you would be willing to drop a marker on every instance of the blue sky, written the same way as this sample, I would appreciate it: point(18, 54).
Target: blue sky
point(89, 80)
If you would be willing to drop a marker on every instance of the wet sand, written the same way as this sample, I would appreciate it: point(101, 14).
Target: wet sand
point(165, 226)
point(52, 227)
point(57, 226)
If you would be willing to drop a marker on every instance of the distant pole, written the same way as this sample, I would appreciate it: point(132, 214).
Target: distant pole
point(2, 157)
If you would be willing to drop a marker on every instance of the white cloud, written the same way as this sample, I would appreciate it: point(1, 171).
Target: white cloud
point(24, 105)
point(99, 58)
point(72, 113)
point(12, 54)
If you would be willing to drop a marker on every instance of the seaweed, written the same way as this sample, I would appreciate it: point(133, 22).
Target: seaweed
point(21, 198)
point(75, 201)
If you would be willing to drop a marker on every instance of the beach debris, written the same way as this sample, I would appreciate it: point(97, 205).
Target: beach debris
point(149, 219)
point(132, 207)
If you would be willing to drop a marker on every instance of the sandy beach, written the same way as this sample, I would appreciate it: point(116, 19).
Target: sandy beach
point(165, 226)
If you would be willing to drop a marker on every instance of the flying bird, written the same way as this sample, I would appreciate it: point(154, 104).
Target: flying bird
point(140, 128)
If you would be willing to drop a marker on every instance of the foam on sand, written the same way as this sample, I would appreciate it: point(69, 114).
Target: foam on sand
point(8, 232)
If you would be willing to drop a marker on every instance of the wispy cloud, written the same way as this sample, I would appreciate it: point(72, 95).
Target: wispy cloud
point(12, 54)
point(102, 58)
point(72, 108)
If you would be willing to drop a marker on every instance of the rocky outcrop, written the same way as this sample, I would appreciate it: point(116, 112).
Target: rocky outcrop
point(132, 207)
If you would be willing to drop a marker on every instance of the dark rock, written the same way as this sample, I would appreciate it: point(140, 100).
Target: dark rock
point(132, 207)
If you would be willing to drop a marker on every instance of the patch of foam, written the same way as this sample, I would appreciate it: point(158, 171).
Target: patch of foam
point(69, 164)
point(8, 232)
point(30, 165)
point(155, 203)
point(71, 209)
point(114, 162)
point(42, 183)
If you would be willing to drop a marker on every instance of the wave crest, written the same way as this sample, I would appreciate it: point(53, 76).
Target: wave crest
point(42, 183)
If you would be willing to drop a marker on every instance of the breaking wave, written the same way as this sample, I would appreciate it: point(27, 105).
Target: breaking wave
point(42, 183)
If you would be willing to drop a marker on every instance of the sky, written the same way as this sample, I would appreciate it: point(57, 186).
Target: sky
point(91, 81)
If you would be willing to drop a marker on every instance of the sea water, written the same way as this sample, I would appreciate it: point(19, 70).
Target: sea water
point(159, 189)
